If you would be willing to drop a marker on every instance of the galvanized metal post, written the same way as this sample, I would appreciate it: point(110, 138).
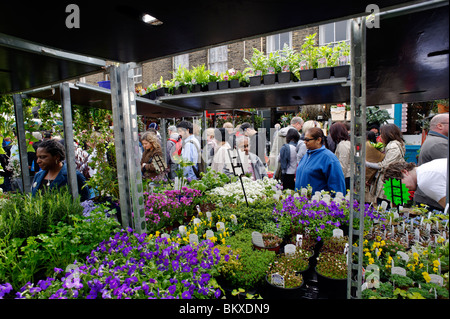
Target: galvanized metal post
point(357, 156)
point(22, 143)
point(119, 143)
point(164, 137)
point(124, 85)
point(66, 106)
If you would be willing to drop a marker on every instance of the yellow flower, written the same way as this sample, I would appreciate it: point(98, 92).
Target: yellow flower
point(426, 276)
point(421, 265)
point(368, 254)
point(157, 233)
point(223, 241)
point(416, 256)
point(383, 243)
point(435, 269)
point(379, 252)
point(436, 263)
point(371, 261)
point(150, 236)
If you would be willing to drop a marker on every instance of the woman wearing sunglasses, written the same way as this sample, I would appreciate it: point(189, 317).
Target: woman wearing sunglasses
point(319, 168)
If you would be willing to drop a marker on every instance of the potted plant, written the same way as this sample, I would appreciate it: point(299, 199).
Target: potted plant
point(201, 76)
point(442, 105)
point(348, 109)
point(337, 112)
point(272, 68)
point(150, 92)
point(224, 83)
point(308, 58)
point(213, 77)
point(271, 242)
point(283, 279)
point(289, 62)
point(257, 67)
point(323, 62)
point(331, 273)
point(334, 245)
point(234, 78)
point(341, 60)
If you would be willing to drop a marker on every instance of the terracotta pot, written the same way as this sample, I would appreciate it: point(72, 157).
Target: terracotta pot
point(442, 108)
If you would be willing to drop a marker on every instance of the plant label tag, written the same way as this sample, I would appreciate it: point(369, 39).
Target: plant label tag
point(414, 250)
point(303, 65)
point(277, 280)
point(289, 249)
point(209, 216)
point(429, 215)
point(220, 226)
point(299, 240)
point(396, 215)
point(233, 219)
point(209, 234)
point(304, 192)
point(436, 279)
point(197, 221)
point(403, 256)
point(182, 230)
point(257, 239)
point(198, 209)
point(398, 271)
point(417, 234)
point(343, 60)
point(384, 205)
point(428, 227)
point(421, 221)
point(338, 232)
point(193, 238)
point(271, 70)
point(258, 72)
point(286, 68)
point(165, 235)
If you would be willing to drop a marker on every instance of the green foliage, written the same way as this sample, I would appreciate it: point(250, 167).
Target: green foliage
point(30, 259)
point(309, 52)
point(374, 115)
point(258, 62)
point(253, 263)
point(23, 215)
point(211, 179)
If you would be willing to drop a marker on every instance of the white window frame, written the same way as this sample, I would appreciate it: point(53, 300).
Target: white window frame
point(218, 59)
point(273, 41)
point(180, 60)
point(137, 74)
point(322, 29)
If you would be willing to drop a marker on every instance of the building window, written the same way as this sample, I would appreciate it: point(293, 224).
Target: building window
point(331, 33)
point(218, 59)
point(137, 75)
point(276, 42)
point(181, 61)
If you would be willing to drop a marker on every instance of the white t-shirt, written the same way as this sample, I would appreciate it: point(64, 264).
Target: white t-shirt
point(432, 178)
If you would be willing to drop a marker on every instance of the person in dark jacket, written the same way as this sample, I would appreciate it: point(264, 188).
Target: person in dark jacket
point(288, 159)
point(319, 168)
point(50, 157)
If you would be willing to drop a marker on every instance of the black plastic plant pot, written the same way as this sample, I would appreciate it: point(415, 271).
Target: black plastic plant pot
point(161, 91)
point(285, 77)
point(275, 292)
point(333, 288)
point(269, 79)
point(342, 71)
point(255, 80)
point(223, 85)
point(196, 88)
point(184, 89)
point(307, 75)
point(151, 95)
point(323, 73)
point(176, 91)
point(212, 86)
point(234, 84)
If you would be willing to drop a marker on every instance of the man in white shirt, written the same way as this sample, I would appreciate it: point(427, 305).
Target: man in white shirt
point(430, 177)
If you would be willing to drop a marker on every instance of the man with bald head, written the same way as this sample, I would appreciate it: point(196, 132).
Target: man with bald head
point(434, 147)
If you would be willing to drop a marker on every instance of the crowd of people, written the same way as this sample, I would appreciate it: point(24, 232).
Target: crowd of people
point(300, 156)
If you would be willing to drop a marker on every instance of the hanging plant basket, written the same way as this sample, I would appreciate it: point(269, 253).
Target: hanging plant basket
point(341, 71)
point(307, 75)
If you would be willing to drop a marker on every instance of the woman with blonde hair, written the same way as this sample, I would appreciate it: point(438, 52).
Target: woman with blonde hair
point(152, 161)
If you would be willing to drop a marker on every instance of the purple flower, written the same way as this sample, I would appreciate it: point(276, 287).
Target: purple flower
point(172, 289)
point(217, 293)
point(186, 295)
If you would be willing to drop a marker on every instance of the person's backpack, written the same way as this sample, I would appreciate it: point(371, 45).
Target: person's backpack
point(201, 163)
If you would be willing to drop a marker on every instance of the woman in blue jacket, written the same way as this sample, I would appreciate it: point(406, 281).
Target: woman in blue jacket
point(50, 157)
point(319, 168)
